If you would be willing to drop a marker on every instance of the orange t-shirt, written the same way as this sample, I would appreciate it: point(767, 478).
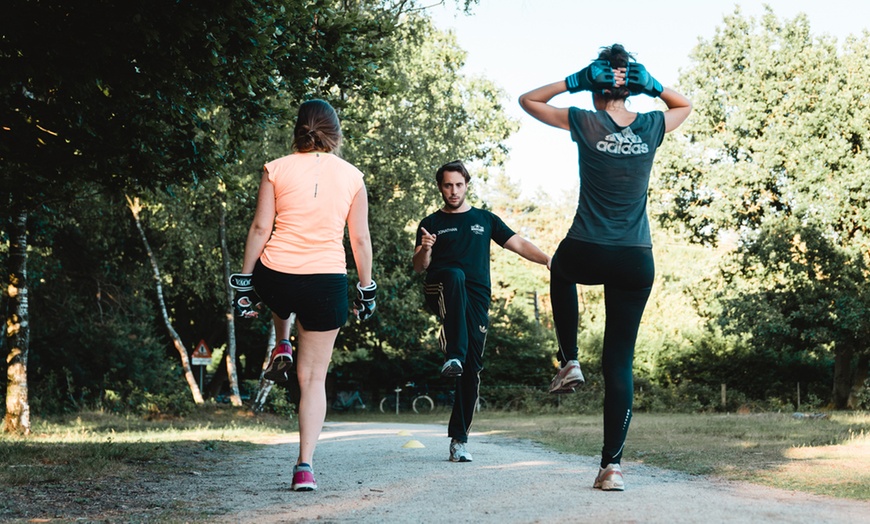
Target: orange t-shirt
point(313, 193)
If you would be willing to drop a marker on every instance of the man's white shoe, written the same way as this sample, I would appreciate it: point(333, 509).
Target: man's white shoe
point(458, 453)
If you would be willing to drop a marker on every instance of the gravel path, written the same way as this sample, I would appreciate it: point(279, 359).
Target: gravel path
point(367, 474)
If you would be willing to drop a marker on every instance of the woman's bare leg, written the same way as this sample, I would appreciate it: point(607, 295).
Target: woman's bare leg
point(313, 356)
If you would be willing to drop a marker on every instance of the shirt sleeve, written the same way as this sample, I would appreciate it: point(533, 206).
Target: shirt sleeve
point(574, 116)
point(659, 127)
point(501, 233)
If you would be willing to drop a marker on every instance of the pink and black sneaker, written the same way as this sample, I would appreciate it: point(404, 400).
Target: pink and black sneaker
point(303, 478)
point(282, 361)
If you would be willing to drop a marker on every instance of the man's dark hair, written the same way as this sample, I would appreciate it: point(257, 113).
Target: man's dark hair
point(457, 166)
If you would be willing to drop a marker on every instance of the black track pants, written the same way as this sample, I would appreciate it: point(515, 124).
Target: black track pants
point(464, 313)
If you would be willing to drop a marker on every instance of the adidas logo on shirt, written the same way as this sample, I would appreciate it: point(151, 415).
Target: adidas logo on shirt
point(623, 143)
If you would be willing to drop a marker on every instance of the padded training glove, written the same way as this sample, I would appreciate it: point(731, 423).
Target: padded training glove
point(639, 81)
point(246, 301)
point(597, 76)
point(364, 305)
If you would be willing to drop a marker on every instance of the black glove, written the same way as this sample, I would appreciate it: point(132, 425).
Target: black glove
point(364, 305)
point(247, 301)
point(597, 76)
point(639, 81)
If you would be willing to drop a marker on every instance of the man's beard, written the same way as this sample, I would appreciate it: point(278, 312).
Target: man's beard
point(447, 203)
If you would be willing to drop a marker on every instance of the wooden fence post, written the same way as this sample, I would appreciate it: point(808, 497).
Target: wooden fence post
point(798, 396)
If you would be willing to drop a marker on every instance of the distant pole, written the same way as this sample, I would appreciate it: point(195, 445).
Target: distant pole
point(724, 397)
point(533, 295)
point(798, 396)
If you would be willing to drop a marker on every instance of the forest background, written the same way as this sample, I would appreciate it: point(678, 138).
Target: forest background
point(132, 151)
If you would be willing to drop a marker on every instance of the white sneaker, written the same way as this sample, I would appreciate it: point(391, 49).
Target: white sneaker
point(458, 453)
point(568, 378)
point(609, 478)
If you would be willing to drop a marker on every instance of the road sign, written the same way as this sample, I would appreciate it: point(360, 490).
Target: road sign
point(201, 355)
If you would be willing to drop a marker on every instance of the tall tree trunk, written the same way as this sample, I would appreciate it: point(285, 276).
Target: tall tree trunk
point(232, 373)
point(17, 419)
point(861, 371)
point(135, 208)
point(842, 376)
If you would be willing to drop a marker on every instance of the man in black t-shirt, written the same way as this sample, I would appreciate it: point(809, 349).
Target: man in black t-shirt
point(458, 288)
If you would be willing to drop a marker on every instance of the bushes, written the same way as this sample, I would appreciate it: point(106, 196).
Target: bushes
point(686, 397)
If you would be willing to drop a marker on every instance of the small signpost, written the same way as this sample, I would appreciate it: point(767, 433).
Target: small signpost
point(201, 357)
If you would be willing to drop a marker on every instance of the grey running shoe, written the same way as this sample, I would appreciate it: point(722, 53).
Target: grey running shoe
point(609, 479)
point(451, 368)
point(458, 453)
point(568, 378)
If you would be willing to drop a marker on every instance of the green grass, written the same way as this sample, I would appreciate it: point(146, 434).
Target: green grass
point(93, 444)
point(828, 456)
point(92, 466)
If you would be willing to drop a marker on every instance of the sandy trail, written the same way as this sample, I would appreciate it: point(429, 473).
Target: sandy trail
point(365, 474)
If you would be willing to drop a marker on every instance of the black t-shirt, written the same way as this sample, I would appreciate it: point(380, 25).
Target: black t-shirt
point(462, 241)
point(615, 165)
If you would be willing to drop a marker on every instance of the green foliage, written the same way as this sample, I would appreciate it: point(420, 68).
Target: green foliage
point(93, 329)
point(775, 155)
point(278, 402)
point(519, 351)
point(406, 108)
point(167, 94)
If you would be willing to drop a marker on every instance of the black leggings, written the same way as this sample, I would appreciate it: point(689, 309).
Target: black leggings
point(627, 274)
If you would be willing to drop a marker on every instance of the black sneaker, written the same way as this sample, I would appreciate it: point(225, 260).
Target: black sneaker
point(451, 368)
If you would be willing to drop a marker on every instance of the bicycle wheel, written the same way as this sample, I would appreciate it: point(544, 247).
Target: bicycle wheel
point(388, 404)
point(423, 404)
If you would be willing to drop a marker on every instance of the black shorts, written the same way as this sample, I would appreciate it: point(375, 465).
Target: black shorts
point(319, 301)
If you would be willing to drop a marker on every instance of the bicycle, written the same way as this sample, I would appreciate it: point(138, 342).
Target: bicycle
point(446, 399)
point(348, 400)
point(420, 402)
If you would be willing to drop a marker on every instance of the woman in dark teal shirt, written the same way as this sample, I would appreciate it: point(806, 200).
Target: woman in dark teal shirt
point(609, 240)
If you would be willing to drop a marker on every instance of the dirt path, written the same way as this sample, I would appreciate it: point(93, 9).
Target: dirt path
point(366, 475)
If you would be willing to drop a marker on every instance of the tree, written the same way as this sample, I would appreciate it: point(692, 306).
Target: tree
point(136, 208)
point(17, 418)
point(115, 103)
point(127, 104)
point(778, 143)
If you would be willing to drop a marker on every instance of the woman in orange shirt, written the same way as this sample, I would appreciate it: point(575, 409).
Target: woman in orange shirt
point(295, 261)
